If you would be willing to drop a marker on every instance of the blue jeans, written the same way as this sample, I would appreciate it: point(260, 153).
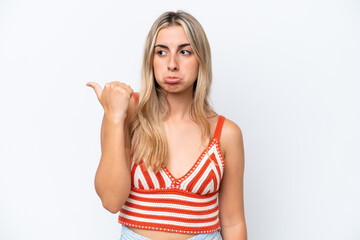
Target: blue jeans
point(128, 234)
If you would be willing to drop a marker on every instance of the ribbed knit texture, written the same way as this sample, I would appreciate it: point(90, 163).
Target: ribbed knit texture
point(188, 204)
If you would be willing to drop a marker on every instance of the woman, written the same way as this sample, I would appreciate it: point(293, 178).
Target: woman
point(162, 164)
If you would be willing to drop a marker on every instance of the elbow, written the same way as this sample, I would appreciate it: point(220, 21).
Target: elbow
point(112, 206)
point(112, 209)
point(113, 203)
point(112, 198)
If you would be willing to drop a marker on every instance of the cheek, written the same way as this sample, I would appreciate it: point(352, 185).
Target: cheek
point(193, 68)
point(156, 67)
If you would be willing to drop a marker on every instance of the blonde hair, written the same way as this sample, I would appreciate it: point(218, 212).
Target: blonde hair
point(149, 141)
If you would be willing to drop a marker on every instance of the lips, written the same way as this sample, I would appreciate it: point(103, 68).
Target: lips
point(172, 80)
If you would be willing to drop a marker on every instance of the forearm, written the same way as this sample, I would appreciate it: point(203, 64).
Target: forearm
point(113, 176)
point(236, 232)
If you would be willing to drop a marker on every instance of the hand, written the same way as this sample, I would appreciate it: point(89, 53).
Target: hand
point(114, 98)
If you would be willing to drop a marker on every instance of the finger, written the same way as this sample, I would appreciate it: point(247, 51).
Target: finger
point(97, 88)
point(130, 91)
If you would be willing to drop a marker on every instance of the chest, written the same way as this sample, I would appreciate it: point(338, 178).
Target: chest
point(184, 147)
point(202, 178)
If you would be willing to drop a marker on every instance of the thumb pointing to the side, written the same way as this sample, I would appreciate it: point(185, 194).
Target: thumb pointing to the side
point(96, 87)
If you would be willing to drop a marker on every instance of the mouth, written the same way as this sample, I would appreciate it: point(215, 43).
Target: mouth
point(172, 80)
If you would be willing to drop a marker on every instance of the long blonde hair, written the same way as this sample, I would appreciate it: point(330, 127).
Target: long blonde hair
point(149, 141)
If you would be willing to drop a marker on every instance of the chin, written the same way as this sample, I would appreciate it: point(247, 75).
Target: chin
point(178, 90)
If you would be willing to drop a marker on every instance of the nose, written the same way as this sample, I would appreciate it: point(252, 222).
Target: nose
point(173, 63)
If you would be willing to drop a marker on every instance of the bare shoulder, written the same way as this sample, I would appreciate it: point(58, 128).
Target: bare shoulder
point(230, 130)
point(231, 137)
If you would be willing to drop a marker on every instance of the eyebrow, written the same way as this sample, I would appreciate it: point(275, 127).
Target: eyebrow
point(166, 47)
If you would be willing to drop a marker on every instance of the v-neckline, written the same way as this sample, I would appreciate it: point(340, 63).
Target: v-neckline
point(194, 166)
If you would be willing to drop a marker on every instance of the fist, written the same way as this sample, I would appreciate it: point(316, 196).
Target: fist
point(114, 98)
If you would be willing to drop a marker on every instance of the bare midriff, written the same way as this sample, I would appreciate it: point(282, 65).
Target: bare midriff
point(161, 235)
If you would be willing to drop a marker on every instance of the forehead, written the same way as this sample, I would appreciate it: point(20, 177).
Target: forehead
point(172, 35)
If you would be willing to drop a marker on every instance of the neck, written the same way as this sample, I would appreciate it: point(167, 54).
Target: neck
point(180, 105)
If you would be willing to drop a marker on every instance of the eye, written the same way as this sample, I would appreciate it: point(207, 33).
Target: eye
point(185, 52)
point(160, 52)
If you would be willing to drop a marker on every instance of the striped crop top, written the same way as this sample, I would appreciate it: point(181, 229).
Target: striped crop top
point(188, 204)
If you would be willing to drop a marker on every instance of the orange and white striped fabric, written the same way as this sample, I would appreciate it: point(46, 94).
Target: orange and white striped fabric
point(188, 204)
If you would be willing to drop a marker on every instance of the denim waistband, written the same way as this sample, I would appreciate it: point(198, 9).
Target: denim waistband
point(128, 234)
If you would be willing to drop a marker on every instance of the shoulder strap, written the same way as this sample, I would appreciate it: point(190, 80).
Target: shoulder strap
point(135, 96)
point(219, 127)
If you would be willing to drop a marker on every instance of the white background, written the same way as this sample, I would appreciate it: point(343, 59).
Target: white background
point(287, 72)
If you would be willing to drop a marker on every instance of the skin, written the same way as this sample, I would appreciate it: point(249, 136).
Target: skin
point(172, 58)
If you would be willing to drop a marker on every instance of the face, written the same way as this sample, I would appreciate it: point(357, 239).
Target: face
point(175, 64)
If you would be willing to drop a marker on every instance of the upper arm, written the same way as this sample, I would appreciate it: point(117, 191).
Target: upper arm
point(231, 203)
